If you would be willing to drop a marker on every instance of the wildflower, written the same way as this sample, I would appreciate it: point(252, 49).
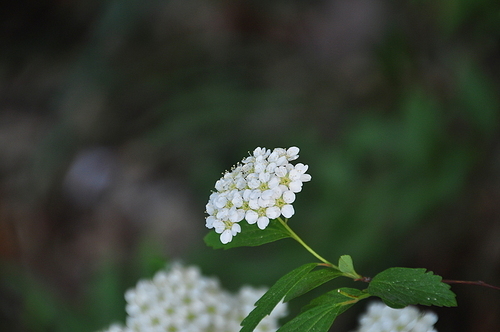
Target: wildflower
point(381, 318)
point(182, 300)
point(260, 188)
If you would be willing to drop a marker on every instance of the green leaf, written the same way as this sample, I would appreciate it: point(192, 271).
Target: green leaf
point(346, 266)
point(321, 312)
point(274, 295)
point(311, 281)
point(250, 236)
point(399, 287)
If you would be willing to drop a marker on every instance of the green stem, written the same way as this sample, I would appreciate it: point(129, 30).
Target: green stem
point(299, 240)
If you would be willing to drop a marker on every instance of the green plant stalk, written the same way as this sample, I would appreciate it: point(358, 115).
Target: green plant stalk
point(299, 240)
point(355, 298)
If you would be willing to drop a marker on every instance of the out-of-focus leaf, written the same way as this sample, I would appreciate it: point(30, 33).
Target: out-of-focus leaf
point(477, 98)
point(311, 281)
point(274, 295)
point(320, 313)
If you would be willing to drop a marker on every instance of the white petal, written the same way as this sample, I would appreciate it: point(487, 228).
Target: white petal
point(241, 214)
point(236, 215)
point(219, 226)
point(255, 194)
point(289, 196)
point(305, 178)
point(295, 186)
point(251, 217)
point(283, 188)
point(281, 171)
point(293, 150)
point(273, 212)
point(264, 177)
point(280, 151)
point(281, 161)
point(237, 200)
point(226, 236)
point(273, 156)
point(277, 192)
point(253, 183)
point(246, 168)
point(287, 211)
point(266, 202)
point(274, 182)
point(220, 201)
point(254, 204)
point(210, 222)
point(262, 222)
point(223, 214)
point(430, 318)
point(268, 194)
point(235, 229)
point(241, 183)
point(219, 185)
point(246, 195)
point(260, 167)
point(271, 167)
point(210, 208)
point(212, 197)
point(294, 175)
point(259, 151)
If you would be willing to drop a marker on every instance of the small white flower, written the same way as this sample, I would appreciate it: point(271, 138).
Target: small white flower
point(381, 318)
point(259, 189)
point(183, 300)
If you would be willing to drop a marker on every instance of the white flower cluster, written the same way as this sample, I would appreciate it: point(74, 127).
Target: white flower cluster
point(260, 188)
point(182, 300)
point(381, 318)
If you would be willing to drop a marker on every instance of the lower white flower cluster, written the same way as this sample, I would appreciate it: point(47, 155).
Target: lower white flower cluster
point(260, 188)
point(381, 318)
point(182, 300)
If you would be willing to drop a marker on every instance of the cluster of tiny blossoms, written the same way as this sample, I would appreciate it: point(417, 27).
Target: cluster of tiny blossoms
point(260, 188)
point(182, 300)
point(381, 318)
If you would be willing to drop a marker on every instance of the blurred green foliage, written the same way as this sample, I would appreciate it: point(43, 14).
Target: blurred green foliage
point(46, 308)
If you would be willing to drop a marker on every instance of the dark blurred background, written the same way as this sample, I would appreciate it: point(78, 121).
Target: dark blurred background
point(117, 117)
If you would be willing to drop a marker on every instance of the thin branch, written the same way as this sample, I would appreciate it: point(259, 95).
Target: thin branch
point(364, 279)
point(477, 283)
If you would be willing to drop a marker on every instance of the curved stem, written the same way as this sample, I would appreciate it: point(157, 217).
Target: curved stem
point(299, 240)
